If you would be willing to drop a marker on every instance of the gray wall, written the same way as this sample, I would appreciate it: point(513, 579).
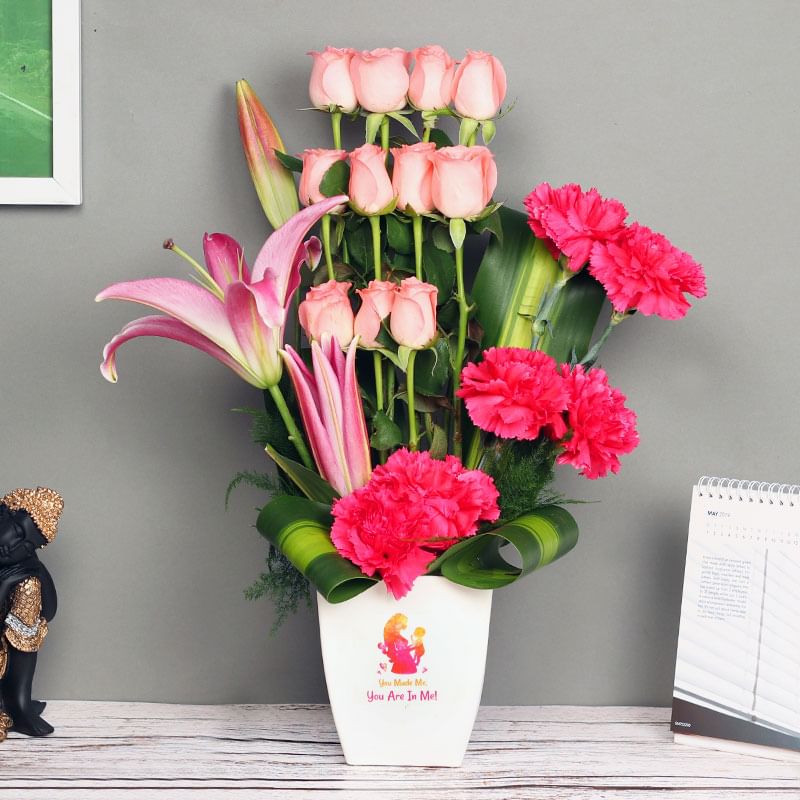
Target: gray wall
point(687, 111)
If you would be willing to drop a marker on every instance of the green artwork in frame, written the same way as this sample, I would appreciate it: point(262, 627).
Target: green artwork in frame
point(26, 89)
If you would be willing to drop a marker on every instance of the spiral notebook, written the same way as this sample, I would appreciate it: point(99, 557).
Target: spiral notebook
point(737, 677)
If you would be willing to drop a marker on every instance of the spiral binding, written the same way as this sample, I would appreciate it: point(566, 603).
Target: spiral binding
point(782, 494)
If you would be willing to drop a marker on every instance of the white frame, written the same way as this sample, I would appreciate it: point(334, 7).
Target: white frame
point(64, 188)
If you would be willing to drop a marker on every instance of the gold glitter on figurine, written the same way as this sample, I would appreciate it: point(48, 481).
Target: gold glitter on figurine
point(28, 521)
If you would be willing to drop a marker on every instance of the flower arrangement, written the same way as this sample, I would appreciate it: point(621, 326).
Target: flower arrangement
point(415, 420)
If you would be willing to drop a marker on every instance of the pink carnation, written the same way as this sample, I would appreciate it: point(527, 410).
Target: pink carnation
point(645, 271)
point(572, 221)
point(412, 507)
point(603, 428)
point(515, 393)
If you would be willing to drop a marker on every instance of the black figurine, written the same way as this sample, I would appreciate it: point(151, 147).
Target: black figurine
point(28, 521)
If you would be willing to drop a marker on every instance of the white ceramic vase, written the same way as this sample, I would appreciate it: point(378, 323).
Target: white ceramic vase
point(405, 676)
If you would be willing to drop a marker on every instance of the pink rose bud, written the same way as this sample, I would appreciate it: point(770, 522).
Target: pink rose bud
point(464, 179)
point(330, 83)
point(412, 176)
point(479, 85)
point(431, 85)
point(377, 301)
point(370, 189)
point(316, 162)
point(381, 79)
point(413, 318)
point(326, 309)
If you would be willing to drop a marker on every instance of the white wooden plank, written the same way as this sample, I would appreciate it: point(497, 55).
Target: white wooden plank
point(293, 752)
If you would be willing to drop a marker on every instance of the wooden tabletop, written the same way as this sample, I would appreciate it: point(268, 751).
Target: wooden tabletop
point(108, 751)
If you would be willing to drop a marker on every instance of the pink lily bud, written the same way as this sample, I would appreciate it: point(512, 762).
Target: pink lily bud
point(260, 139)
point(333, 416)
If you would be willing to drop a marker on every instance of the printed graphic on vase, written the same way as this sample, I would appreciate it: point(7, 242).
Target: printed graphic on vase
point(403, 653)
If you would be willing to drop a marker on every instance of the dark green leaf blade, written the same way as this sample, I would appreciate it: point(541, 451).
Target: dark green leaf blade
point(300, 529)
point(310, 484)
point(539, 538)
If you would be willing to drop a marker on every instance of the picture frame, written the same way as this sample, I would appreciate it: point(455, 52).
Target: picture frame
point(64, 185)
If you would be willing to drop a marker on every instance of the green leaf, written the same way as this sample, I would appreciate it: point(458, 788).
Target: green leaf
point(403, 354)
point(359, 244)
point(458, 232)
point(438, 448)
point(373, 126)
point(432, 373)
point(467, 131)
point(335, 180)
point(538, 538)
point(387, 432)
point(404, 121)
point(300, 529)
point(511, 281)
point(309, 483)
point(573, 318)
point(488, 131)
point(440, 138)
point(290, 162)
point(491, 223)
point(440, 270)
point(399, 235)
point(441, 238)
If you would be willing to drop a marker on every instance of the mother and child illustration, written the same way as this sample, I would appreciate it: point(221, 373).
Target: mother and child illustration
point(403, 654)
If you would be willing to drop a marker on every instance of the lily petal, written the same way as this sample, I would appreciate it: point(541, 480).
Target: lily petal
point(225, 259)
point(278, 258)
point(259, 340)
point(308, 400)
point(191, 304)
point(310, 253)
point(167, 328)
point(355, 425)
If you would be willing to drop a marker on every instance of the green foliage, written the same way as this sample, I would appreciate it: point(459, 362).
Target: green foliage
point(335, 180)
point(258, 480)
point(290, 162)
point(281, 584)
point(440, 270)
point(387, 433)
point(523, 473)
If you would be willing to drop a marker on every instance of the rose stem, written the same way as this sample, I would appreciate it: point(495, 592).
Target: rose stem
point(463, 313)
point(295, 437)
point(385, 135)
point(412, 416)
point(416, 224)
point(375, 224)
point(326, 245)
point(336, 126)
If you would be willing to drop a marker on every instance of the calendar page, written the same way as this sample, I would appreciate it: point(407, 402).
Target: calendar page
point(737, 674)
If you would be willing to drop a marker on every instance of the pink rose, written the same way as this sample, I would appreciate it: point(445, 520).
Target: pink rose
point(479, 85)
point(371, 189)
point(377, 301)
point(380, 78)
point(464, 179)
point(413, 319)
point(330, 83)
point(326, 309)
point(412, 176)
point(316, 162)
point(431, 84)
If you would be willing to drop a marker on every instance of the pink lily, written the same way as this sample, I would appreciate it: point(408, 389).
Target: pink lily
point(235, 315)
point(330, 405)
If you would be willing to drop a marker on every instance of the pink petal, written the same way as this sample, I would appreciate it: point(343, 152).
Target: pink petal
point(355, 425)
point(259, 340)
point(224, 255)
point(278, 257)
point(191, 304)
point(167, 328)
point(307, 399)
